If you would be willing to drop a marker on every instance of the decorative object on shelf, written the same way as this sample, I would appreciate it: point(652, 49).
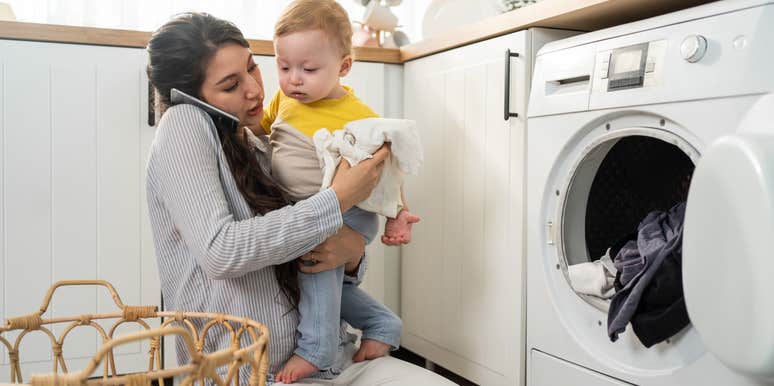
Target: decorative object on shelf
point(445, 15)
point(389, 3)
point(363, 36)
point(6, 13)
point(395, 39)
point(510, 5)
point(380, 23)
point(201, 369)
point(379, 17)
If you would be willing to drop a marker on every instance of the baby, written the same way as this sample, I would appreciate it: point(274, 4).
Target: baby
point(312, 42)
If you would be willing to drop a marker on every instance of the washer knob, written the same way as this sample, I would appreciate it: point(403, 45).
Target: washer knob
point(693, 48)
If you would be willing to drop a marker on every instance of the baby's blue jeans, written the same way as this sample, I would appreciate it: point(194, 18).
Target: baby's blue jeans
point(326, 299)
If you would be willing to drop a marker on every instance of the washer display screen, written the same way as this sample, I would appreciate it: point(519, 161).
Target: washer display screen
point(627, 61)
point(627, 67)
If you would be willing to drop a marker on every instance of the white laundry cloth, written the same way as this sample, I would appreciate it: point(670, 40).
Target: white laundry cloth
point(596, 278)
point(357, 141)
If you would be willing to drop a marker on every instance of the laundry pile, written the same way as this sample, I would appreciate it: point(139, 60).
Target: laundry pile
point(644, 282)
point(596, 278)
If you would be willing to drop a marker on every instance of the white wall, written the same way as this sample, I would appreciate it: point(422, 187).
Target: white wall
point(254, 17)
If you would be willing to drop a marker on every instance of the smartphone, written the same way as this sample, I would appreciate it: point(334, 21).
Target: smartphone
point(179, 97)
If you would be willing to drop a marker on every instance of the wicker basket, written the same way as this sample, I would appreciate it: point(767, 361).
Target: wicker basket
point(201, 368)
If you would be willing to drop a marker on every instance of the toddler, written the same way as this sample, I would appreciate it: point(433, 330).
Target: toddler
point(312, 42)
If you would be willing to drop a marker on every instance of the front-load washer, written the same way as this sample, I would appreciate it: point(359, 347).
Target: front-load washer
point(635, 118)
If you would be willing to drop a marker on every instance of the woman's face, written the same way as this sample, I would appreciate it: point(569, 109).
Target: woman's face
point(232, 83)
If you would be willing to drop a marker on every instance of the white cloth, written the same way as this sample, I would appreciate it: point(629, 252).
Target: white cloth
point(596, 278)
point(380, 371)
point(357, 141)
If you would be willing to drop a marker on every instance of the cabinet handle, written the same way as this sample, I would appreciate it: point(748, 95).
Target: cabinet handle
point(151, 105)
point(508, 56)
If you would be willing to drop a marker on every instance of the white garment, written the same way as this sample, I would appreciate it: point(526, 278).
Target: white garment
point(357, 141)
point(596, 278)
point(380, 371)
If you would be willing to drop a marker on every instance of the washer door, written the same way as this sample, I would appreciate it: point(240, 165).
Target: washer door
point(728, 249)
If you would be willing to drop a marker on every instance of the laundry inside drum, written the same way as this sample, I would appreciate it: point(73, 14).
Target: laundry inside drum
point(639, 175)
point(614, 188)
point(624, 184)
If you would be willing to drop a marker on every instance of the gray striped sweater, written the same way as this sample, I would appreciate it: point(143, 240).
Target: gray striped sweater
point(213, 255)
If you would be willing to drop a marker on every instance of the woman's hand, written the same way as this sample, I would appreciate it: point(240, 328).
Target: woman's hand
point(355, 184)
point(346, 248)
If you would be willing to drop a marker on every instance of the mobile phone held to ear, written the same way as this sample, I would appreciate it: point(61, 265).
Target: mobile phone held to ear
point(179, 97)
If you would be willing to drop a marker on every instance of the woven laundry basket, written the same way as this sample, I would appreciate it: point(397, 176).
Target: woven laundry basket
point(201, 369)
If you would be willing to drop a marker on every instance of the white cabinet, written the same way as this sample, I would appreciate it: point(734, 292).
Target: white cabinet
point(74, 144)
point(462, 276)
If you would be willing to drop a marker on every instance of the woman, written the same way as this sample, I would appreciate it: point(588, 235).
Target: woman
point(226, 238)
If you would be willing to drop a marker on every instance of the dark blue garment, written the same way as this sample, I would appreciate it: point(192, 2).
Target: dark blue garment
point(658, 236)
point(662, 312)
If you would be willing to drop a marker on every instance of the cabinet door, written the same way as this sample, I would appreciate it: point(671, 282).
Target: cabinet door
point(75, 136)
point(462, 274)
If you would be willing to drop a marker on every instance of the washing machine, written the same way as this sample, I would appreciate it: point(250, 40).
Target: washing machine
point(636, 118)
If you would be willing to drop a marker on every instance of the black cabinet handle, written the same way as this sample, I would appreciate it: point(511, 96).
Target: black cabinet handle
point(507, 111)
point(151, 105)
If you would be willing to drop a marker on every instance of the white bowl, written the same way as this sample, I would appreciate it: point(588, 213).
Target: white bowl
point(445, 15)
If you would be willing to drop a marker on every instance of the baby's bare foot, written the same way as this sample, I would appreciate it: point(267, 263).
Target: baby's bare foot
point(295, 368)
point(398, 230)
point(371, 349)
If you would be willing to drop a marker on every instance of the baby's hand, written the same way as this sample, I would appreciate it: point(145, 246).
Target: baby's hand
point(398, 230)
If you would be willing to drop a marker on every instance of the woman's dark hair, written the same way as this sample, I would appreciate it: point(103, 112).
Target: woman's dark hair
point(178, 54)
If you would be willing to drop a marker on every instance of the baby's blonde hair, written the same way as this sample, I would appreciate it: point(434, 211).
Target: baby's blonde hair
point(326, 15)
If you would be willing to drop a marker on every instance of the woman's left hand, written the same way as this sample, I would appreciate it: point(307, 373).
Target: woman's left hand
point(346, 247)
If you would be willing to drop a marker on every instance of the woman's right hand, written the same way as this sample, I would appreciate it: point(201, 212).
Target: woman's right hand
point(355, 184)
point(345, 248)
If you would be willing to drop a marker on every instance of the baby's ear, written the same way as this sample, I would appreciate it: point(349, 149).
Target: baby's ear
point(346, 65)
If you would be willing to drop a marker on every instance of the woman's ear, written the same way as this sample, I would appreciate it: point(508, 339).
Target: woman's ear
point(346, 65)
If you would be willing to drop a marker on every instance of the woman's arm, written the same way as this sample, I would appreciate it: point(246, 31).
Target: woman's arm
point(345, 248)
point(184, 173)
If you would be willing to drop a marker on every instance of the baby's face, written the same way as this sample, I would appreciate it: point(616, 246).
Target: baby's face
point(309, 66)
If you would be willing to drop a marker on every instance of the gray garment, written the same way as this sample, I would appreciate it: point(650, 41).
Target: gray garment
point(213, 254)
point(658, 235)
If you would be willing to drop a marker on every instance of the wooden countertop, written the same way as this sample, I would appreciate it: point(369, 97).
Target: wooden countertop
point(126, 38)
point(580, 15)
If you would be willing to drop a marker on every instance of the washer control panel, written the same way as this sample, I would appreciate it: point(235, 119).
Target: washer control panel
point(629, 67)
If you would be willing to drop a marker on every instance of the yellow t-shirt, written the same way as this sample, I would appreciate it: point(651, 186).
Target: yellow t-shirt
point(331, 114)
point(291, 126)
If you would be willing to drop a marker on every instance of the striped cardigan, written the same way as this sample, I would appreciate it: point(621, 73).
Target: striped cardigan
point(213, 254)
